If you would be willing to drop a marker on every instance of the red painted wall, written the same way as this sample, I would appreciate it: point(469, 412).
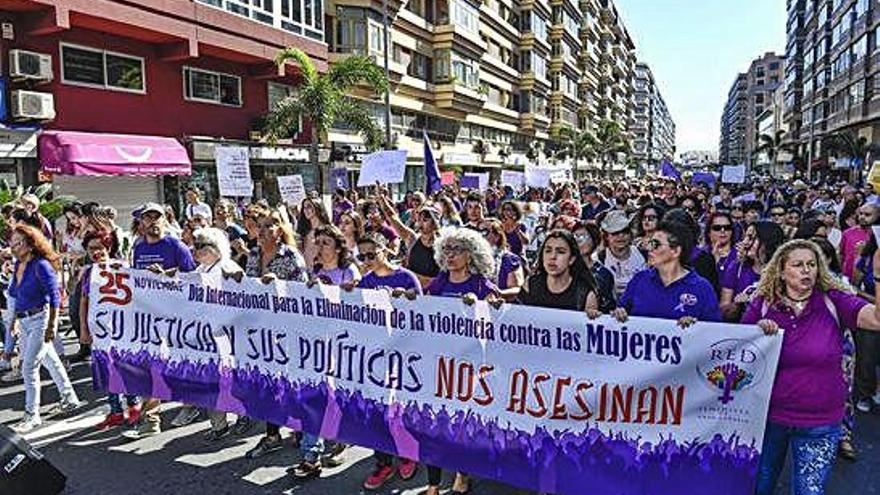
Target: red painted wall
point(162, 110)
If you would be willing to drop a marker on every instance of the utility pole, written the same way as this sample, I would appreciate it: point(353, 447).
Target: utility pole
point(810, 151)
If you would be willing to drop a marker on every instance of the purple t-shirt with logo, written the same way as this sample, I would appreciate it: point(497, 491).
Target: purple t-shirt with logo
point(475, 284)
point(810, 389)
point(691, 295)
point(400, 279)
point(167, 252)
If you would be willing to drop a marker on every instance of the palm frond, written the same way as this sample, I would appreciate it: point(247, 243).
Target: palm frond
point(357, 115)
point(355, 70)
point(283, 118)
point(301, 59)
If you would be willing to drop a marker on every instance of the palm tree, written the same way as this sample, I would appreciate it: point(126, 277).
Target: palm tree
point(772, 145)
point(49, 208)
point(848, 145)
point(321, 100)
point(608, 142)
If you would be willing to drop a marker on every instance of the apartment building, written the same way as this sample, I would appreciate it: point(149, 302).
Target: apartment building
point(149, 70)
point(486, 80)
point(840, 60)
point(792, 87)
point(652, 126)
point(751, 93)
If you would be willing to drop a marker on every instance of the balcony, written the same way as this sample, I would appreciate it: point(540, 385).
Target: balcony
point(534, 122)
point(454, 96)
point(454, 36)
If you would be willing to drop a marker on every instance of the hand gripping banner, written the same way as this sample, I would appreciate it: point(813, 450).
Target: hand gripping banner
point(540, 399)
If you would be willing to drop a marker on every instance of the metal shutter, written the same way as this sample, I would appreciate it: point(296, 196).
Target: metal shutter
point(123, 193)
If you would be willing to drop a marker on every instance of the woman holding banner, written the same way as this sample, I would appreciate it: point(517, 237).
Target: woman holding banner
point(509, 274)
point(466, 263)
point(797, 293)
point(669, 288)
point(37, 295)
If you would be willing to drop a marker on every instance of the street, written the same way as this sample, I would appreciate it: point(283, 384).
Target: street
point(178, 461)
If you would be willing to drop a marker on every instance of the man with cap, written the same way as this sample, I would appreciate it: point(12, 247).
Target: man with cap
point(160, 253)
point(594, 204)
point(619, 255)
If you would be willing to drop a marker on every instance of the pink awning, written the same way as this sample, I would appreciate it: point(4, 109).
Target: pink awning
point(87, 153)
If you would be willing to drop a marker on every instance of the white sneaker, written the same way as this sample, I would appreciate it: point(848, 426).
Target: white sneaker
point(13, 375)
point(28, 423)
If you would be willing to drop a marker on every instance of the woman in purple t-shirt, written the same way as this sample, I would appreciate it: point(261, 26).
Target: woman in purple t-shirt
point(466, 263)
point(798, 293)
point(509, 274)
point(739, 281)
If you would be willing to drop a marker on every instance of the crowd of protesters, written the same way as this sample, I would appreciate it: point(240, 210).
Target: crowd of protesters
point(789, 255)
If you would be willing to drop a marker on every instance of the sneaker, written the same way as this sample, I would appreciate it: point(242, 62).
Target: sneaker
point(865, 405)
point(13, 376)
point(187, 415)
point(331, 459)
point(28, 423)
point(306, 470)
point(111, 421)
point(265, 446)
point(379, 477)
point(5, 365)
point(242, 425)
point(215, 435)
point(144, 429)
point(83, 354)
point(66, 406)
point(407, 469)
point(134, 415)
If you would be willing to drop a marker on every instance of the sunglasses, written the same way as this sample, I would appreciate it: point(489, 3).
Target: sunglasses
point(722, 228)
point(367, 256)
point(650, 217)
point(655, 244)
point(777, 213)
point(455, 250)
point(202, 245)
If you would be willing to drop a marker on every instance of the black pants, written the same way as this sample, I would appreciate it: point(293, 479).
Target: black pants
point(867, 359)
point(73, 308)
point(272, 430)
point(383, 459)
point(435, 474)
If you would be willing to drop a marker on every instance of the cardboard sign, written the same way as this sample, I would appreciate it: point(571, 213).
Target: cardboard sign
point(733, 174)
point(478, 181)
point(513, 178)
point(384, 167)
point(291, 189)
point(537, 176)
point(234, 171)
point(447, 178)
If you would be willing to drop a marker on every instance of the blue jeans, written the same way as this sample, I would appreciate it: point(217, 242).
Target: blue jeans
point(813, 451)
point(115, 401)
point(311, 447)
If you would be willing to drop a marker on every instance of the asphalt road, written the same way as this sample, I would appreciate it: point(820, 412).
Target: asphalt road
point(179, 461)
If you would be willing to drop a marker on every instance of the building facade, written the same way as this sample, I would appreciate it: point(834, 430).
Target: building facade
point(188, 70)
point(732, 145)
point(653, 128)
point(839, 82)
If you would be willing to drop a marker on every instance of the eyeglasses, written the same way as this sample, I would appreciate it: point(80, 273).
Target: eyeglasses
point(652, 218)
point(202, 245)
point(655, 244)
point(722, 228)
point(454, 250)
point(777, 213)
point(580, 238)
point(367, 256)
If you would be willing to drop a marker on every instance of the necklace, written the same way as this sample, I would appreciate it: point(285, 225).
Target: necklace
point(797, 304)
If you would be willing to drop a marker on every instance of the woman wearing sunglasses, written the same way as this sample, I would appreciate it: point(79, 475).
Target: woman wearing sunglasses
point(419, 240)
point(382, 274)
point(760, 241)
point(669, 289)
point(647, 219)
point(719, 238)
point(509, 275)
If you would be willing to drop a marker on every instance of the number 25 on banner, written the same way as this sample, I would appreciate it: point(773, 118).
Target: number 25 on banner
point(115, 283)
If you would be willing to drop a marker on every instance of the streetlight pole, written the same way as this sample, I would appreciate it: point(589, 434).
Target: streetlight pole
point(810, 149)
point(385, 52)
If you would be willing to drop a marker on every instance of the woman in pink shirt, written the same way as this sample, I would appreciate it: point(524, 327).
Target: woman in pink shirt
point(797, 293)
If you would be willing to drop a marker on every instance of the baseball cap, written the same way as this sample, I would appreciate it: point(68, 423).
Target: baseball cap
point(615, 221)
point(148, 207)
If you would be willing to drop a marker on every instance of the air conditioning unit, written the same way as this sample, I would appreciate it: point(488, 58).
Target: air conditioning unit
point(30, 65)
point(32, 105)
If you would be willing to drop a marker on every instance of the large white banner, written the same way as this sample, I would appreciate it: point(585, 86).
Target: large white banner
point(543, 399)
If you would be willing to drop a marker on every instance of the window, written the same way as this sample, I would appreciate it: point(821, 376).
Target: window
point(859, 50)
point(809, 57)
point(419, 66)
point(351, 32)
point(856, 94)
point(102, 69)
point(539, 66)
point(465, 15)
point(539, 26)
point(860, 8)
point(211, 87)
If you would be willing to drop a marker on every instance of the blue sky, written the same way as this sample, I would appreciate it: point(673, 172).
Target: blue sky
point(695, 49)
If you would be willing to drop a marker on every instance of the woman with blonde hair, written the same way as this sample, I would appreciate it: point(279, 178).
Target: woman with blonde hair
point(798, 293)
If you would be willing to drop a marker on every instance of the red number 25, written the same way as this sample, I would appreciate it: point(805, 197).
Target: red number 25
point(114, 285)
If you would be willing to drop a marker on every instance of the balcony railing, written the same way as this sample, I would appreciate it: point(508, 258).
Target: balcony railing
point(304, 18)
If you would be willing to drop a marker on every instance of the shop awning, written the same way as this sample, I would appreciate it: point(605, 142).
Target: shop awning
point(86, 153)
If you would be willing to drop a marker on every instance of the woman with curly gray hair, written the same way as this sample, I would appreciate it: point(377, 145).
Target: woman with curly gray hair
point(466, 262)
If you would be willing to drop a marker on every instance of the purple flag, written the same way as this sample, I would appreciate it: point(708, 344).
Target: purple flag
point(667, 169)
point(432, 173)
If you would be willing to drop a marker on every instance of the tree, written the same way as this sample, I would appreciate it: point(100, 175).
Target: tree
point(49, 208)
point(608, 142)
point(773, 145)
point(321, 100)
point(847, 145)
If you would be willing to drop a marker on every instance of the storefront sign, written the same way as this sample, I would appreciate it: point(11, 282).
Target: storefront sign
point(542, 399)
point(278, 153)
point(234, 171)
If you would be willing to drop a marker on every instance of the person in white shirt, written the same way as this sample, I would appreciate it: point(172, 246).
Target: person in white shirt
point(194, 206)
point(619, 255)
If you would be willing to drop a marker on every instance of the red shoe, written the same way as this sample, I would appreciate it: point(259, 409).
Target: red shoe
point(111, 421)
point(379, 477)
point(134, 415)
point(407, 469)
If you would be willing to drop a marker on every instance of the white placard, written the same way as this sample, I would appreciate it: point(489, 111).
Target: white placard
point(513, 178)
point(291, 189)
point(234, 171)
point(733, 174)
point(537, 176)
point(482, 179)
point(385, 167)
